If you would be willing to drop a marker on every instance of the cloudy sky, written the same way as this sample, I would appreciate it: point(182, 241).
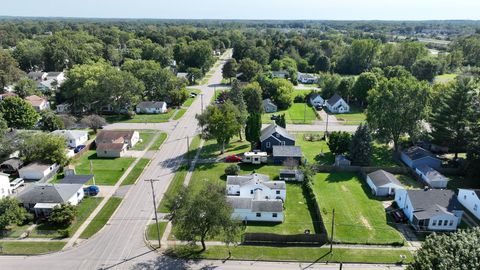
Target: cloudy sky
point(248, 9)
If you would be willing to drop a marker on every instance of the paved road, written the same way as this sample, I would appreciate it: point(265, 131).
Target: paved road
point(120, 244)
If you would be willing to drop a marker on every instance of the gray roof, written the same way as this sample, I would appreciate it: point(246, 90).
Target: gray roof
point(241, 180)
point(334, 99)
point(431, 202)
point(37, 166)
point(240, 202)
point(267, 206)
point(315, 95)
point(150, 104)
point(416, 152)
point(70, 134)
point(430, 173)
point(14, 163)
point(268, 102)
point(381, 177)
point(48, 193)
point(272, 128)
point(76, 179)
point(287, 151)
point(275, 184)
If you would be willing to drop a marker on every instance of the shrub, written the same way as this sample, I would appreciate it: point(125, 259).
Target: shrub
point(233, 169)
point(64, 233)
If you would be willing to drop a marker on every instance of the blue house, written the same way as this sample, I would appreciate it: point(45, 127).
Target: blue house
point(274, 135)
point(416, 156)
point(282, 153)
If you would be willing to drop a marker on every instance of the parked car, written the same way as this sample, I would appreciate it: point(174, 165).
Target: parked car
point(318, 107)
point(79, 148)
point(399, 216)
point(91, 191)
point(233, 158)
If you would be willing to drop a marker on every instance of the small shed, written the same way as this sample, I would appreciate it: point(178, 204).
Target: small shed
point(291, 175)
point(342, 161)
point(383, 183)
point(269, 106)
point(11, 166)
point(432, 177)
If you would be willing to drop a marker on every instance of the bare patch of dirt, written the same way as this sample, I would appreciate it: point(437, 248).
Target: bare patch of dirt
point(366, 223)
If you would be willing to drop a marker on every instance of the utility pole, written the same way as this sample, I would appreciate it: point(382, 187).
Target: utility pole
point(201, 98)
point(155, 208)
point(333, 228)
point(91, 172)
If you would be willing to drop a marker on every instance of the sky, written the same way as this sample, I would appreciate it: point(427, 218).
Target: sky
point(248, 9)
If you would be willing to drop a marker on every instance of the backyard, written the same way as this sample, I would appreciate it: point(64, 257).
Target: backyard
point(359, 219)
point(354, 117)
point(141, 118)
point(145, 138)
point(211, 150)
point(298, 113)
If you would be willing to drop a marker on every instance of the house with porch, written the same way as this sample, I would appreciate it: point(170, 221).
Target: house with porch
point(430, 209)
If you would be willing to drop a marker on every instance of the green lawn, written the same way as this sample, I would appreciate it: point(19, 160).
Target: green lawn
point(156, 144)
point(145, 138)
point(382, 155)
point(210, 148)
point(101, 218)
point(457, 181)
point(445, 78)
point(141, 118)
point(30, 248)
point(408, 182)
point(354, 117)
point(315, 151)
point(14, 231)
point(298, 113)
point(152, 230)
point(107, 171)
point(359, 218)
point(173, 188)
point(135, 172)
point(84, 209)
point(297, 217)
point(304, 254)
point(179, 114)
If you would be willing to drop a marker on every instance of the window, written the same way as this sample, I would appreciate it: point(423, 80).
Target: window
point(434, 223)
point(274, 215)
point(464, 197)
point(278, 191)
point(445, 222)
point(451, 223)
point(104, 152)
point(475, 207)
point(268, 145)
point(251, 191)
point(259, 214)
point(282, 142)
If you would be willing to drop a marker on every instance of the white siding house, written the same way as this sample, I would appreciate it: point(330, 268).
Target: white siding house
point(432, 177)
point(470, 199)
point(151, 107)
point(431, 209)
point(36, 171)
point(383, 183)
point(336, 104)
point(73, 138)
point(316, 100)
point(5, 189)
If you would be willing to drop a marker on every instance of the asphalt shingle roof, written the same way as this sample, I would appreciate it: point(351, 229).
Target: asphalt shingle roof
point(416, 152)
point(76, 179)
point(272, 128)
point(287, 151)
point(334, 99)
point(431, 202)
point(48, 193)
point(150, 104)
point(430, 173)
point(381, 177)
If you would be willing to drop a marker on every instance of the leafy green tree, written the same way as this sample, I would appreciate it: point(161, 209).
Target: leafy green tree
point(322, 63)
point(454, 116)
point(43, 147)
point(280, 121)
point(236, 96)
point(229, 70)
point(94, 122)
point(3, 126)
point(364, 83)
point(68, 120)
point(203, 214)
point(25, 87)
point(249, 69)
point(11, 212)
point(9, 70)
point(345, 88)
point(339, 142)
point(63, 214)
point(194, 74)
point(281, 92)
point(426, 68)
point(50, 121)
point(253, 128)
point(329, 84)
point(29, 54)
point(361, 146)
point(219, 122)
point(233, 169)
point(396, 107)
point(396, 72)
point(18, 113)
point(360, 56)
point(252, 93)
point(453, 251)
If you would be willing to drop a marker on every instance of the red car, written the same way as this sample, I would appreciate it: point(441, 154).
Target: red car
point(233, 158)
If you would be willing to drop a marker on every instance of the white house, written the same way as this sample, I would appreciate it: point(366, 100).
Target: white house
point(470, 199)
point(38, 103)
point(432, 177)
point(255, 198)
point(430, 209)
point(336, 104)
point(129, 137)
point(63, 108)
point(316, 100)
point(151, 107)
point(383, 183)
point(73, 138)
point(5, 189)
point(307, 78)
point(42, 198)
point(47, 80)
point(283, 74)
point(36, 170)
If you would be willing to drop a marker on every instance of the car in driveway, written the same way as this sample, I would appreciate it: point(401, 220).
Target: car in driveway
point(79, 148)
point(233, 158)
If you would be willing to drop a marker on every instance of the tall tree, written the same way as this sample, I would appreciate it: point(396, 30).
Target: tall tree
point(11, 212)
point(9, 70)
point(339, 142)
point(43, 147)
point(201, 215)
point(94, 122)
point(364, 83)
point(229, 70)
point(361, 146)
point(219, 122)
point(426, 68)
point(29, 54)
point(453, 251)
point(360, 56)
point(18, 113)
point(49, 121)
point(25, 87)
point(454, 114)
point(253, 128)
point(236, 96)
point(396, 106)
point(252, 94)
point(249, 69)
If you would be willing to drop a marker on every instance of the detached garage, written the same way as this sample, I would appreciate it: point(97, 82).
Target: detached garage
point(383, 183)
